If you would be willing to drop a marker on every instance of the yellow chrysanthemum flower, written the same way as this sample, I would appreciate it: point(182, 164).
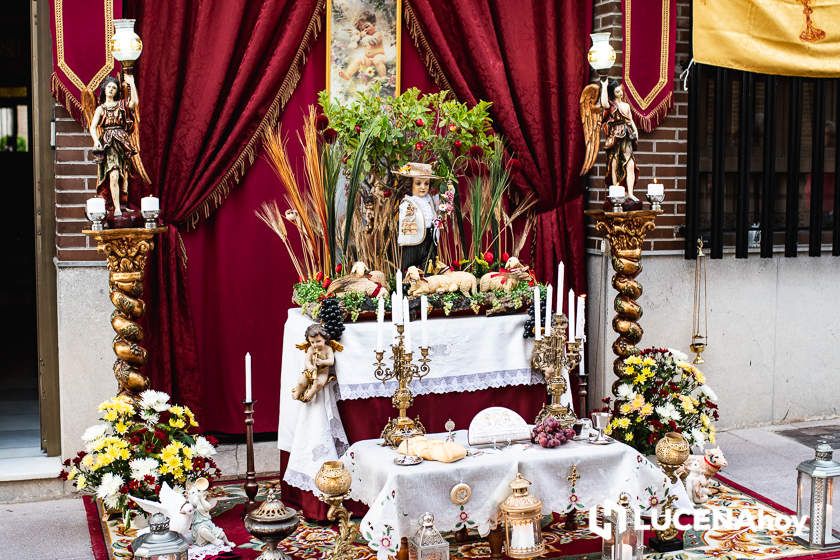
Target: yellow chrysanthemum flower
point(625, 408)
point(628, 436)
point(188, 453)
point(623, 422)
point(120, 427)
point(705, 420)
point(72, 474)
point(648, 361)
point(88, 461)
point(111, 415)
point(177, 423)
point(629, 370)
point(646, 410)
point(177, 410)
point(701, 379)
point(81, 482)
point(637, 402)
point(188, 464)
point(609, 429)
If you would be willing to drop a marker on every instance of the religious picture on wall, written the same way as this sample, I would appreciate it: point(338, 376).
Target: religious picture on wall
point(363, 38)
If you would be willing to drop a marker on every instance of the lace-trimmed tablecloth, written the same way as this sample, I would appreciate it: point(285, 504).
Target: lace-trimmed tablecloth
point(467, 354)
point(398, 495)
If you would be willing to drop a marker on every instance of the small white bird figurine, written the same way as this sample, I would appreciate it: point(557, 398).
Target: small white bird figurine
point(173, 505)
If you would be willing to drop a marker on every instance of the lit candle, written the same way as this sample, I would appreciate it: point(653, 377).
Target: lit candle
point(406, 317)
point(149, 204)
point(656, 189)
point(380, 323)
point(537, 321)
point(424, 316)
point(95, 205)
point(399, 285)
point(561, 271)
point(616, 191)
point(248, 377)
point(548, 295)
point(571, 315)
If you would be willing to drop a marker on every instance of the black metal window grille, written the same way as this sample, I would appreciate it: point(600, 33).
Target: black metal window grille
point(763, 167)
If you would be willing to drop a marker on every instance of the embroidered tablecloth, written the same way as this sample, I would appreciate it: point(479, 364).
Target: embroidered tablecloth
point(398, 495)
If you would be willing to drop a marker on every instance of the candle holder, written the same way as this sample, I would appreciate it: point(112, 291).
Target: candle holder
point(334, 480)
point(617, 201)
point(552, 355)
point(626, 233)
point(656, 201)
point(151, 217)
point(403, 370)
point(126, 251)
point(95, 220)
point(250, 486)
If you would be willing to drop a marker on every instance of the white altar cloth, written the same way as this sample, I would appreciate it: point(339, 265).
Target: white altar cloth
point(398, 495)
point(466, 353)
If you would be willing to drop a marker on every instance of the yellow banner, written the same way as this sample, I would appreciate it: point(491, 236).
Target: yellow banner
point(782, 37)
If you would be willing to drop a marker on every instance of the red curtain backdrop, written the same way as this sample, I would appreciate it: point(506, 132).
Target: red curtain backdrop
point(241, 278)
point(214, 76)
point(650, 41)
point(529, 58)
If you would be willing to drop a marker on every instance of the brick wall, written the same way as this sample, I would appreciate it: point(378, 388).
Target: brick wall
point(660, 154)
point(75, 182)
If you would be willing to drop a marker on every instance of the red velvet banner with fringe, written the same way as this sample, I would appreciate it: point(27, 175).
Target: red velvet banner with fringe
point(82, 31)
point(650, 38)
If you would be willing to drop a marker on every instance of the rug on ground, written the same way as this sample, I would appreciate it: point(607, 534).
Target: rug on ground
point(312, 540)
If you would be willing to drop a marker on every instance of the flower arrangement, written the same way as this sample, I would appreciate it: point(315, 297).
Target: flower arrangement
point(138, 447)
point(661, 392)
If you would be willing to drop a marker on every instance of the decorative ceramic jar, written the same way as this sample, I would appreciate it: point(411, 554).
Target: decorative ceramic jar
point(333, 478)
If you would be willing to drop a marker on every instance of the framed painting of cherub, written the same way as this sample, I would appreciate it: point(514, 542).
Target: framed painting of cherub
point(363, 47)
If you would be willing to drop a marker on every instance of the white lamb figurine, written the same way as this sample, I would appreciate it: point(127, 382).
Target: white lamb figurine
point(506, 279)
point(699, 470)
point(440, 283)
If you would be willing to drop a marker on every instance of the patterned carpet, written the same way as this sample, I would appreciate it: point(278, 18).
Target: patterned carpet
point(311, 540)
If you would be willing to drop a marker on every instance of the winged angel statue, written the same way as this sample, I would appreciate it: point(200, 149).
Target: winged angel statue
point(603, 107)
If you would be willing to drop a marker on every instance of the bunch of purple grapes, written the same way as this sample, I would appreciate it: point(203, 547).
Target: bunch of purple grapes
point(549, 433)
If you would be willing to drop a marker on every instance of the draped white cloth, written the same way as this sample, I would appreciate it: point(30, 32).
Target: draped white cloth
point(467, 354)
point(398, 495)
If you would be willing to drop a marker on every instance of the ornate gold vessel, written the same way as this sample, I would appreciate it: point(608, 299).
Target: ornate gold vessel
point(626, 233)
point(671, 452)
point(126, 251)
point(271, 523)
point(333, 480)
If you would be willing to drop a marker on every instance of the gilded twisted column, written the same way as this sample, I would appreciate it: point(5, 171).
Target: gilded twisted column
point(126, 251)
point(626, 233)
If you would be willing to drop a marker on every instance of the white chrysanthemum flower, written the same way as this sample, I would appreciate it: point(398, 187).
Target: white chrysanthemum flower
point(155, 400)
point(668, 412)
point(709, 393)
point(625, 392)
point(94, 432)
point(112, 501)
point(203, 447)
point(150, 417)
point(679, 355)
point(697, 437)
point(109, 486)
point(143, 467)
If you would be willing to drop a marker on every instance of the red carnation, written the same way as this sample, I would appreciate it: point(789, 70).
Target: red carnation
point(386, 193)
point(419, 146)
point(457, 144)
point(338, 268)
point(673, 425)
point(62, 475)
point(488, 256)
point(357, 128)
point(476, 151)
point(319, 276)
point(330, 135)
point(66, 463)
point(505, 257)
point(326, 283)
point(650, 439)
point(148, 479)
point(321, 122)
point(419, 122)
point(160, 435)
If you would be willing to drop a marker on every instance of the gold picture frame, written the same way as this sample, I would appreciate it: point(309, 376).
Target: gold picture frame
point(363, 47)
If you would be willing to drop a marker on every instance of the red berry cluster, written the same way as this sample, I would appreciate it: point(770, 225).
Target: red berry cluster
point(549, 433)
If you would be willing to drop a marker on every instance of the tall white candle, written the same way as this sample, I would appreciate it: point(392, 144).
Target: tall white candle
point(396, 309)
point(248, 376)
point(548, 294)
point(580, 316)
point(407, 324)
point(424, 316)
point(399, 285)
point(561, 271)
point(537, 314)
point(571, 315)
point(380, 323)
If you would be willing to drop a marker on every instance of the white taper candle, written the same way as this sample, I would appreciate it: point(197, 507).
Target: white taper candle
point(380, 323)
point(561, 271)
point(537, 314)
point(424, 316)
point(549, 292)
point(571, 312)
point(248, 377)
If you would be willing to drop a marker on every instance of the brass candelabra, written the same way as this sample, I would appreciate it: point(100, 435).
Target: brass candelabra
point(126, 251)
point(552, 355)
point(626, 233)
point(403, 370)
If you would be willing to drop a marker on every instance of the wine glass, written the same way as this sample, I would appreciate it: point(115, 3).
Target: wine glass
point(600, 420)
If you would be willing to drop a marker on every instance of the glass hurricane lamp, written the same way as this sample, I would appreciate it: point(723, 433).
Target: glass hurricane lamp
point(521, 515)
point(815, 498)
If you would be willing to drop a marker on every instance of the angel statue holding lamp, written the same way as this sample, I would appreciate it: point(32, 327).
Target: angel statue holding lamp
point(604, 108)
point(116, 139)
point(417, 233)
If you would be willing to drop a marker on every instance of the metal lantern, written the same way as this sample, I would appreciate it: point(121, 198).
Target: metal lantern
point(626, 542)
point(160, 543)
point(521, 515)
point(815, 490)
point(427, 543)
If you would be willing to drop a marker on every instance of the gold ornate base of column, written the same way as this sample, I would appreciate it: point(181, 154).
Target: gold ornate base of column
point(126, 251)
point(400, 428)
point(562, 413)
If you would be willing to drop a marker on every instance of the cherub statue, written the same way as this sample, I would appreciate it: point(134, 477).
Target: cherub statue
point(603, 107)
point(319, 362)
point(203, 530)
point(418, 220)
point(116, 139)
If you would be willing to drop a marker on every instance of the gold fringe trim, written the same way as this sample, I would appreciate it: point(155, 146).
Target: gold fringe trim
point(649, 121)
point(182, 248)
point(65, 97)
point(246, 158)
point(429, 59)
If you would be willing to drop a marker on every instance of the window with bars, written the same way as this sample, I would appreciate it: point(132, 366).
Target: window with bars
point(763, 166)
